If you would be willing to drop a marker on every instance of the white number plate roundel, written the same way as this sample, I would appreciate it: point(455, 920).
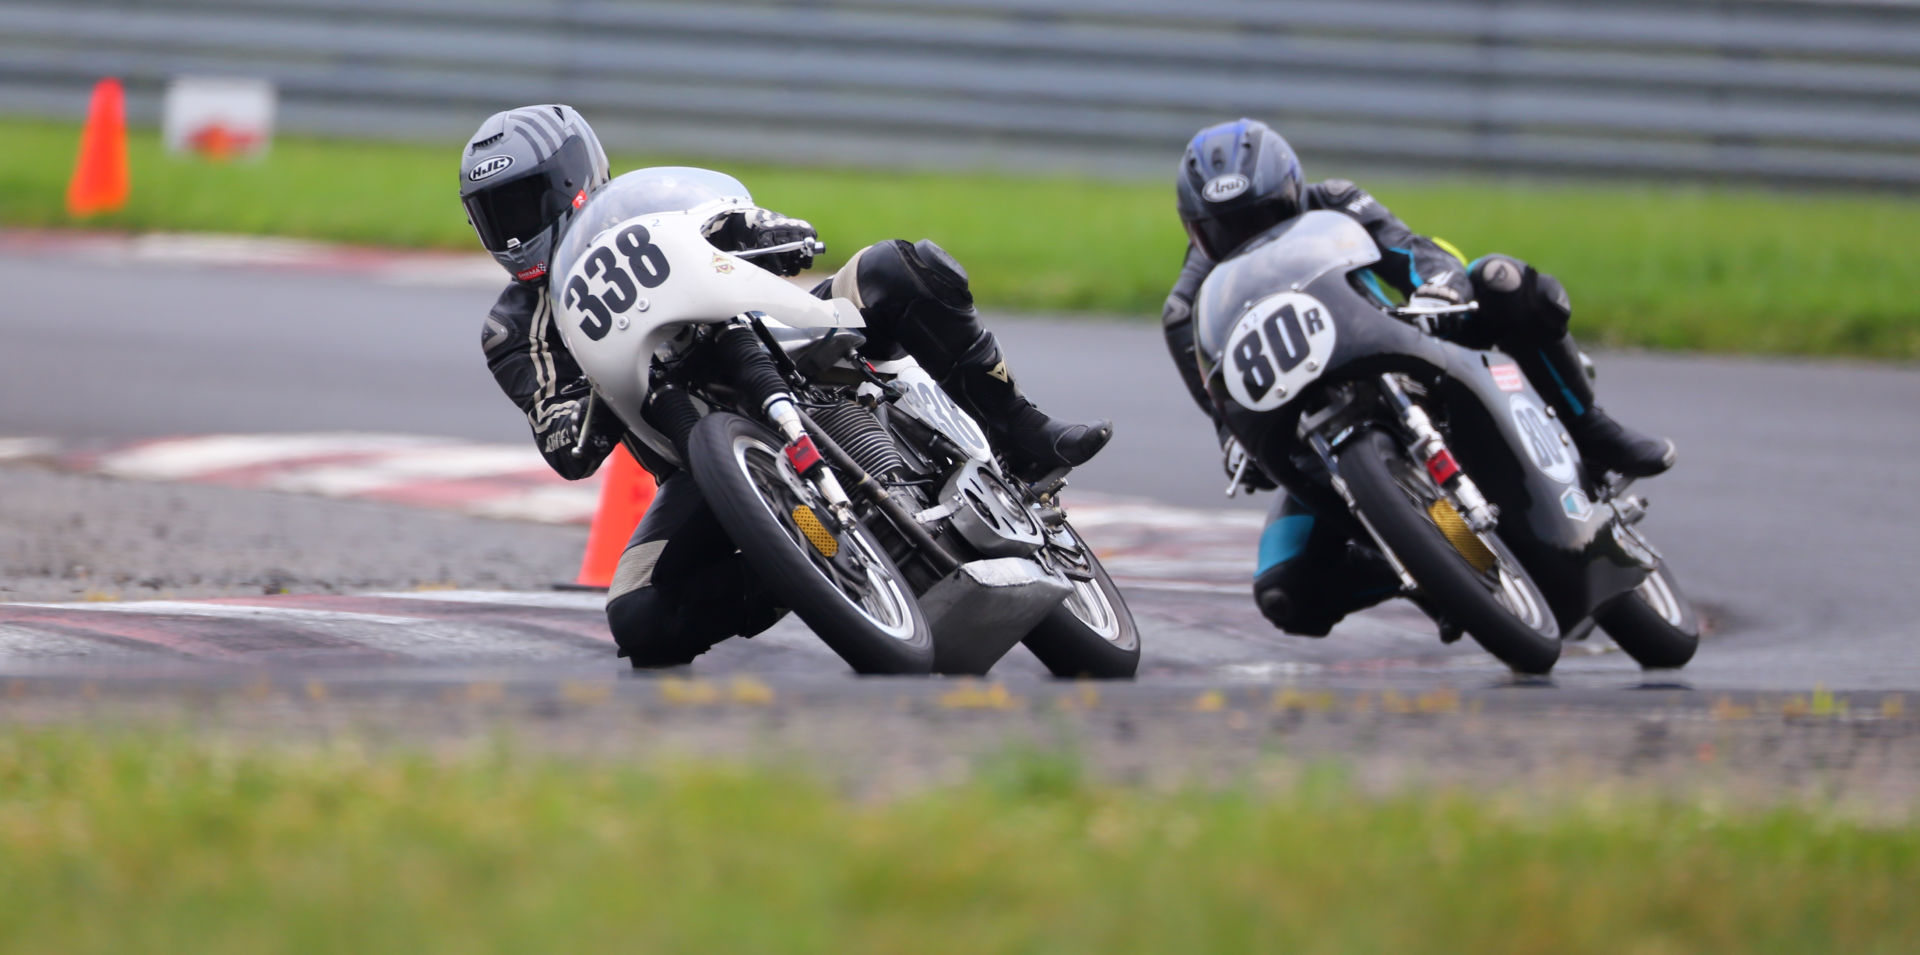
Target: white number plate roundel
point(1278, 347)
point(1543, 437)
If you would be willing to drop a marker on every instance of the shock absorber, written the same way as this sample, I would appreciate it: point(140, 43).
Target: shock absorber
point(755, 374)
point(1432, 451)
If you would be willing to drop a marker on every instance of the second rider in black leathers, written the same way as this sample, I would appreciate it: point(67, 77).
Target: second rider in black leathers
point(681, 586)
point(1236, 181)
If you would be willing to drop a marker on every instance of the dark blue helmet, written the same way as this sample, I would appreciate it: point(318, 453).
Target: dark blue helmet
point(1237, 180)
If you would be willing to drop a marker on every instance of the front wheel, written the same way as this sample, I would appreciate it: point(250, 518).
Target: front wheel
point(1092, 633)
point(1471, 578)
point(1654, 622)
point(840, 582)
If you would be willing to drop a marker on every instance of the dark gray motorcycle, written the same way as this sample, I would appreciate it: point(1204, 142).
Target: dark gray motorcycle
point(1459, 473)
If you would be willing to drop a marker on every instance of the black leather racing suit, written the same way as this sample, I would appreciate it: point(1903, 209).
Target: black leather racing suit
point(1310, 573)
point(534, 368)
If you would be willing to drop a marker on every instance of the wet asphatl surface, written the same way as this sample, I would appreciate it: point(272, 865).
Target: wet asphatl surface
point(1784, 518)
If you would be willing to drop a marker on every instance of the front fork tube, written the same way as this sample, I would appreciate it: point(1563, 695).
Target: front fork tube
point(1430, 449)
point(1325, 451)
point(760, 378)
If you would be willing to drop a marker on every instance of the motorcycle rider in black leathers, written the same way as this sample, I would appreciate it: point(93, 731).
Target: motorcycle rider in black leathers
point(1236, 181)
point(681, 586)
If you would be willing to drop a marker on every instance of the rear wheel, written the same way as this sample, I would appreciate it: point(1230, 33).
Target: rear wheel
point(1092, 633)
point(1472, 579)
point(840, 582)
point(1654, 623)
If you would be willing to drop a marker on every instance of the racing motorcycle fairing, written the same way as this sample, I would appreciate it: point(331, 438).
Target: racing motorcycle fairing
point(636, 268)
point(1554, 516)
point(1283, 322)
point(1283, 316)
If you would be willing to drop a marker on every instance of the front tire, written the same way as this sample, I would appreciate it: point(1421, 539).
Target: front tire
point(1091, 634)
point(855, 599)
point(1654, 623)
point(1501, 608)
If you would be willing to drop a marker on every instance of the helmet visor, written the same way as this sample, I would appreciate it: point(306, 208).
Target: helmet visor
point(517, 210)
point(1220, 233)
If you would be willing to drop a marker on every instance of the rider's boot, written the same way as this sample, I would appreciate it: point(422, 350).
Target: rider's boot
point(1556, 370)
point(1034, 442)
point(921, 296)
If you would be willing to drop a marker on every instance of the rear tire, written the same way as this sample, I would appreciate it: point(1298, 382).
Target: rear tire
point(863, 610)
point(1654, 622)
point(1503, 610)
point(1091, 634)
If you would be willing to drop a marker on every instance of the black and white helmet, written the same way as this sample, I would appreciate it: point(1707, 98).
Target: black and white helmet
point(521, 177)
point(1237, 180)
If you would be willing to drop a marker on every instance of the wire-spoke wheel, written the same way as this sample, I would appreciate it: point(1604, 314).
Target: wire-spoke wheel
point(837, 579)
point(1655, 622)
point(1473, 579)
point(1092, 633)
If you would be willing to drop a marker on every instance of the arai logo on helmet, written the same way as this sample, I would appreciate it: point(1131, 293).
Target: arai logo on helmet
point(491, 167)
point(1222, 188)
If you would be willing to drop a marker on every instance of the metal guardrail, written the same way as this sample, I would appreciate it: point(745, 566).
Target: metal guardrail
point(1800, 90)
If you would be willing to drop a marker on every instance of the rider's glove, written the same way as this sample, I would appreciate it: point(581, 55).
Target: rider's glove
point(766, 229)
point(1434, 295)
point(1242, 468)
point(562, 432)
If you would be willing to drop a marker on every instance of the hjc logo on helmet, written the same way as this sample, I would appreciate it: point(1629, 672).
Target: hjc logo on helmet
point(491, 167)
point(1222, 188)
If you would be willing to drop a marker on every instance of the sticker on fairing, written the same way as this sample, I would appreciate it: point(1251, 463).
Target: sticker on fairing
point(1507, 377)
point(1575, 503)
point(922, 397)
point(1545, 441)
point(1279, 346)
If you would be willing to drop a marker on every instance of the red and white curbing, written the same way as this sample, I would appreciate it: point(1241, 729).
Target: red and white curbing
point(1142, 543)
point(392, 266)
point(470, 627)
point(416, 267)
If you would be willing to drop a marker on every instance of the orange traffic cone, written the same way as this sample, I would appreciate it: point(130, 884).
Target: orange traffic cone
point(625, 492)
point(100, 181)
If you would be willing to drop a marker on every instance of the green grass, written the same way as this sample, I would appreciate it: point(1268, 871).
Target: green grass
point(157, 844)
point(1664, 266)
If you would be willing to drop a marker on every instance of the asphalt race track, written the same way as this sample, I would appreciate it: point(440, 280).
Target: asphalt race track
point(1786, 517)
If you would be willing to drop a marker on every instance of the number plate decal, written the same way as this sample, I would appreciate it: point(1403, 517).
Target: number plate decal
point(1278, 347)
point(609, 283)
point(924, 399)
point(1545, 441)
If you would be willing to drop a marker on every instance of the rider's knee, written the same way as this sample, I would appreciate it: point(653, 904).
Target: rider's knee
point(1289, 606)
point(640, 615)
point(887, 277)
point(642, 625)
point(1517, 302)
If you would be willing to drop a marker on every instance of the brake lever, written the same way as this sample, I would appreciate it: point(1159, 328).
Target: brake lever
point(1409, 311)
point(1239, 474)
point(586, 424)
point(813, 247)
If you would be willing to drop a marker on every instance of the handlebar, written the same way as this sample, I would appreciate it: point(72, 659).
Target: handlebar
point(1409, 311)
point(813, 246)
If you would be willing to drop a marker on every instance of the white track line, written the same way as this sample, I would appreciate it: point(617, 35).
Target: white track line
point(418, 637)
point(12, 449)
point(554, 600)
point(21, 643)
point(399, 468)
point(188, 458)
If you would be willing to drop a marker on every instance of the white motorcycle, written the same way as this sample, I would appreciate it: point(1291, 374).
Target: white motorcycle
point(868, 501)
